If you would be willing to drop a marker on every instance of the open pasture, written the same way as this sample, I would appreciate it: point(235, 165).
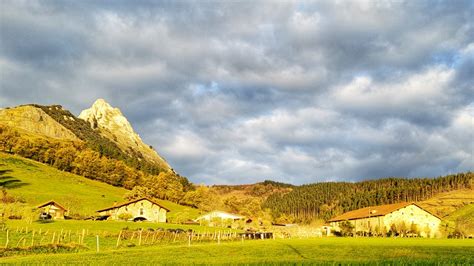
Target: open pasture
point(21, 237)
point(36, 183)
point(280, 251)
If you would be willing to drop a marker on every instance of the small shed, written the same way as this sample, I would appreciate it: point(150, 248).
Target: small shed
point(52, 210)
point(221, 215)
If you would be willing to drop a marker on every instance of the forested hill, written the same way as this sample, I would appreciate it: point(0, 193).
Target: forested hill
point(99, 143)
point(325, 200)
point(54, 136)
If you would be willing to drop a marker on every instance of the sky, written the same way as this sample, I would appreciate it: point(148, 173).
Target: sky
point(233, 92)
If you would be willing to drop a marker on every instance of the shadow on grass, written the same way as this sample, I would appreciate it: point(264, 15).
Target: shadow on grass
point(10, 182)
point(296, 251)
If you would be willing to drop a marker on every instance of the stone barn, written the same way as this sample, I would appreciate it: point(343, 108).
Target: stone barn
point(380, 219)
point(52, 210)
point(142, 209)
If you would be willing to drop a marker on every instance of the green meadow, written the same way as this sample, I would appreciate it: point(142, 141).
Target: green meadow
point(289, 251)
point(36, 183)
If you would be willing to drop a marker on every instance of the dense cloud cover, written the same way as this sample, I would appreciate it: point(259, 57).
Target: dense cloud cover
point(242, 91)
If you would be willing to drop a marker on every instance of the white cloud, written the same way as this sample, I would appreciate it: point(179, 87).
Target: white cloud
point(230, 92)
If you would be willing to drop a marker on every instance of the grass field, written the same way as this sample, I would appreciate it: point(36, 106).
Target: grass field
point(22, 235)
point(36, 183)
point(295, 251)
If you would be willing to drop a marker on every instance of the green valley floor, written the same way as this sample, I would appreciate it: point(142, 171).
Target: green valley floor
point(280, 251)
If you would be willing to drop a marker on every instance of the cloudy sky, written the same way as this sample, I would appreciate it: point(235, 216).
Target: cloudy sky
point(242, 91)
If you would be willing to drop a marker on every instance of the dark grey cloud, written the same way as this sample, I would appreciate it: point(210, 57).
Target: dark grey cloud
point(238, 92)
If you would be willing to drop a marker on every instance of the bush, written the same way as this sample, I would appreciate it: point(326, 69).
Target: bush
point(125, 216)
point(347, 228)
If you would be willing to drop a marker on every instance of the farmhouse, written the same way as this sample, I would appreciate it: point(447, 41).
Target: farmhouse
point(142, 209)
point(52, 210)
point(220, 215)
point(379, 219)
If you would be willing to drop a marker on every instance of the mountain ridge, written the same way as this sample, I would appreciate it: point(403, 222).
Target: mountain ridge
point(55, 122)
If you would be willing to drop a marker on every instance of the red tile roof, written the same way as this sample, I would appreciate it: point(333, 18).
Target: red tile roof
point(374, 211)
point(133, 201)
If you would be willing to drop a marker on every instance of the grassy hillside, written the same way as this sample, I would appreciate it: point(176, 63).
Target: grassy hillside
point(462, 220)
point(36, 183)
point(456, 208)
point(446, 203)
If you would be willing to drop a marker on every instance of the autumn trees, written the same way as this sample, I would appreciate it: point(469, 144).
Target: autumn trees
point(78, 158)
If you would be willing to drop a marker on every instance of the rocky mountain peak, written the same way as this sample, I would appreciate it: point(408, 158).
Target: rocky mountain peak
point(112, 124)
point(103, 115)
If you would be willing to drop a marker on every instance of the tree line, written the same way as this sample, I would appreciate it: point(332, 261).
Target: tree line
point(78, 158)
point(325, 200)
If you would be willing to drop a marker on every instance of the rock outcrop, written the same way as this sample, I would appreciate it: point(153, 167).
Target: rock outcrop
point(31, 119)
point(112, 124)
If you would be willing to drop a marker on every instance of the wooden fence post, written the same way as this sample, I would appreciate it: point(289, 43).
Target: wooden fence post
point(33, 238)
point(140, 238)
point(6, 243)
point(97, 242)
point(146, 237)
point(118, 238)
point(83, 234)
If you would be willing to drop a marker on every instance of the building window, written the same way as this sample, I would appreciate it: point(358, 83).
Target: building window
point(141, 211)
point(141, 203)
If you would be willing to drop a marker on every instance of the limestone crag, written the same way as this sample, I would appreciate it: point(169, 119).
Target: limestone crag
point(112, 124)
point(34, 120)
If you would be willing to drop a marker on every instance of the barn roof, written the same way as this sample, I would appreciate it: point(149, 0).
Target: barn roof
point(51, 202)
point(374, 211)
point(133, 201)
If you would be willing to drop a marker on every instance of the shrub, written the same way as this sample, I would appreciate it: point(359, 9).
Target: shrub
point(347, 228)
point(125, 216)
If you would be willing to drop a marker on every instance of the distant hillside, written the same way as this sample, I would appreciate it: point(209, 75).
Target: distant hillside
point(325, 200)
point(456, 208)
point(444, 204)
point(36, 183)
point(462, 220)
point(262, 189)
